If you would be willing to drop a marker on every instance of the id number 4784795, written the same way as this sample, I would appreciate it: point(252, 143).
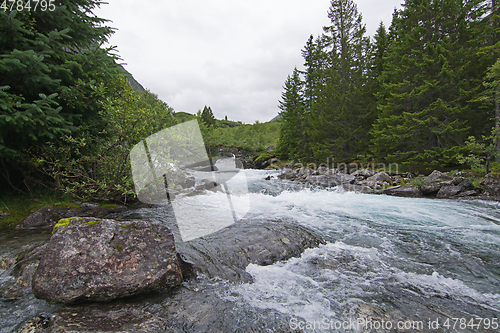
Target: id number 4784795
point(29, 5)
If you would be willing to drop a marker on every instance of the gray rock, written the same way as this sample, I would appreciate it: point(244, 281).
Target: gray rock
point(322, 170)
point(491, 184)
point(377, 181)
point(436, 176)
point(227, 253)
point(4, 215)
point(357, 188)
point(101, 260)
point(381, 177)
point(470, 193)
point(47, 217)
point(342, 178)
point(107, 318)
point(288, 174)
point(365, 173)
point(432, 188)
point(447, 191)
point(403, 191)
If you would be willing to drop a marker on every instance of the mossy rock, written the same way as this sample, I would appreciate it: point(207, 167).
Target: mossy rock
point(66, 221)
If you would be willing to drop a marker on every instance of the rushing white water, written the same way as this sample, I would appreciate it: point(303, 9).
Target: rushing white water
point(386, 258)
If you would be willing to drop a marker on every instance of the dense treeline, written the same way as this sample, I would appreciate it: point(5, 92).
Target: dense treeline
point(68, 114)
point(412, 95)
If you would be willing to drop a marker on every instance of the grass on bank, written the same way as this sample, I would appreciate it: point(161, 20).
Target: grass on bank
point(21, 206)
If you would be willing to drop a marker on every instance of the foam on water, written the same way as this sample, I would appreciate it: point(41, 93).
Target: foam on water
point(412, 255)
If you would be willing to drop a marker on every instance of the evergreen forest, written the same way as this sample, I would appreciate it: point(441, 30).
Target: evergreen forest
point(423, 92)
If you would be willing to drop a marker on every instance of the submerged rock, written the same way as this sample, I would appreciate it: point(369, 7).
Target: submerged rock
point(101, 260)
point(227, 253)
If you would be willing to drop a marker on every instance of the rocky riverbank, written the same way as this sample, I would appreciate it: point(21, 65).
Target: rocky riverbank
point(436, 185)
point(112, 275)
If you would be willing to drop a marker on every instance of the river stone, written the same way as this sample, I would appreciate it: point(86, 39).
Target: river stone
point(449, 191)
point(365, 173)
point(403, 191)
point(228, 252)
point(47, 217)
point(436, 176)
point(101, 260)
point(491, 184)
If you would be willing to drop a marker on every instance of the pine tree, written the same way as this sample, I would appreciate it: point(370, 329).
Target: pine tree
point(423, 102)
point(293, 142)
point(208, 117)
point(339, 127)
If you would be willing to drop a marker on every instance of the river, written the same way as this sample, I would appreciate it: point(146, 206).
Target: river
point(389, 263)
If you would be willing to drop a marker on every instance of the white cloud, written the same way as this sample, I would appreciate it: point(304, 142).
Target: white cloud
point(231, 55)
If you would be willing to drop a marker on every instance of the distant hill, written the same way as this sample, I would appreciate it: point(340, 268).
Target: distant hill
point(184, 116)
point(276, 118)
point(133, 82)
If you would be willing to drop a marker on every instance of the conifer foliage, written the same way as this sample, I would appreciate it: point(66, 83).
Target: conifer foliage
point(49, 61)
point(411, 96)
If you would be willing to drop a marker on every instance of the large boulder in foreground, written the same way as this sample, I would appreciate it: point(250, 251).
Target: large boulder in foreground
point(101, 260)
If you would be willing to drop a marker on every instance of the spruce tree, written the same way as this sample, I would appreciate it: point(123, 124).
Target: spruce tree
point(338, 123)
point(49, 62)
point(293, 142)
point(425, 89)
point(207, 116)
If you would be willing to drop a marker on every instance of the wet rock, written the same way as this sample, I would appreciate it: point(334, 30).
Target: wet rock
point(436, 176)
point(491, 184)
point(357, 188)
point(403, 191)
point(448, 191)
point(365, 173)
point(111, 318)
point(47, 217)
point(227, 253)
point(431, 189)
point(470, 193)
point(6, 262)
point(35, 325)
point(377, 181)
point(21, 274)
point(288, 174)
point(322, 170)
point(381, 177)
point(101, 260)
point(4, 215)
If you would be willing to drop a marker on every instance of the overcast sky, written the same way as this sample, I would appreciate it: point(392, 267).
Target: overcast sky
point(231, 55)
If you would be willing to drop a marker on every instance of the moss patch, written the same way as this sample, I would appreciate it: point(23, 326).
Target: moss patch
point(91, 223)
point(131, 225)
point(65, 222)
point(119, 248)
